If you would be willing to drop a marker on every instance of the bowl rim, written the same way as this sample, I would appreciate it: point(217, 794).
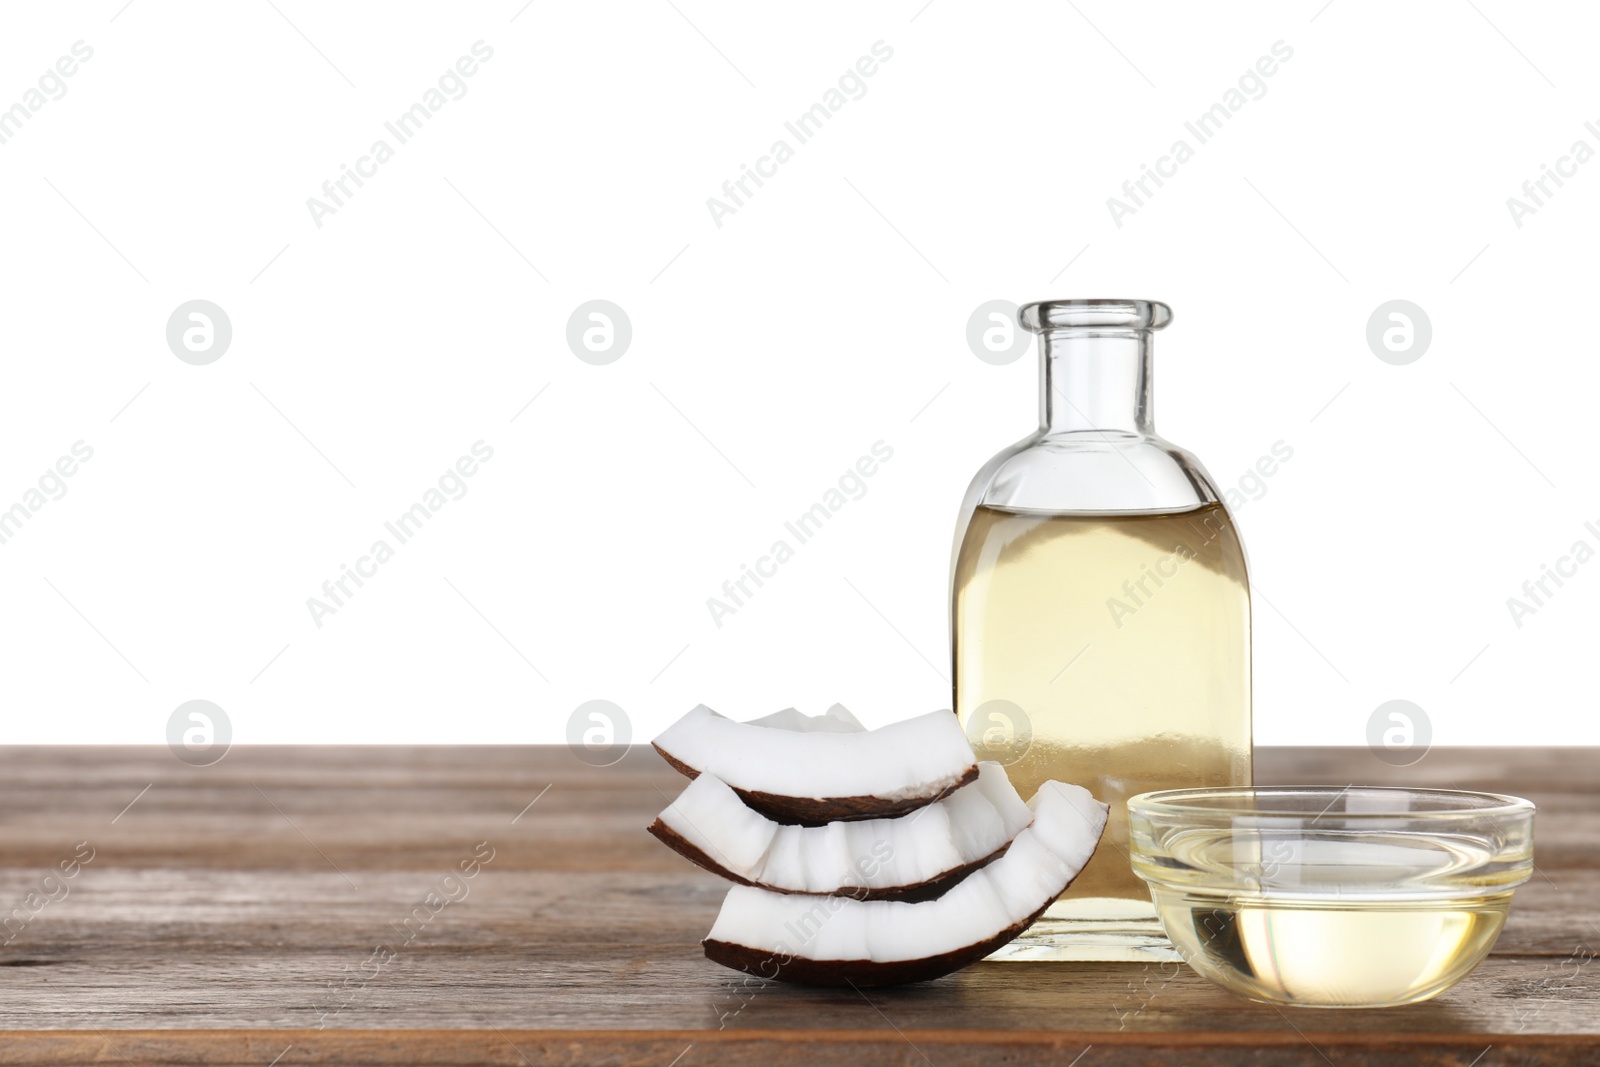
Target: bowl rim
point(1168, 804)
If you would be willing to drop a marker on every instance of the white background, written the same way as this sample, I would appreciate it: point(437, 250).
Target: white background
point(769, 353)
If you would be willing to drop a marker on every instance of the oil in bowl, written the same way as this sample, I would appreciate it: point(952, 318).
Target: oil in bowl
point(1332, 897)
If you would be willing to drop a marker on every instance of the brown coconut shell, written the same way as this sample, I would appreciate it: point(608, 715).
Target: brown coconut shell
point(863, 974)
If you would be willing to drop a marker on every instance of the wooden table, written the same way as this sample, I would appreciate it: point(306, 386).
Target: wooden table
point(274, 908)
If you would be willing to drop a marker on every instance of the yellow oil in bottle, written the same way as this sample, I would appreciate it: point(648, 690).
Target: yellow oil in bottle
point(1112, 651)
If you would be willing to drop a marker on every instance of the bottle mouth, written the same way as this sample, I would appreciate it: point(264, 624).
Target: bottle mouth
point(1043, 315)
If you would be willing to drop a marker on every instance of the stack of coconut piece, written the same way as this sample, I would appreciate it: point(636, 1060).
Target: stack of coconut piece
point(865, 857)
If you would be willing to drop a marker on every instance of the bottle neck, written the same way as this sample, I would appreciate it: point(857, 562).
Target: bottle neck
point(1095, 381)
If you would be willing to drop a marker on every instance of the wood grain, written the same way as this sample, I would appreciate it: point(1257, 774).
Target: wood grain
point(277, 899)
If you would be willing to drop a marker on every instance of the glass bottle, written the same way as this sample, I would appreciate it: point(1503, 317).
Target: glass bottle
point(1100, 613)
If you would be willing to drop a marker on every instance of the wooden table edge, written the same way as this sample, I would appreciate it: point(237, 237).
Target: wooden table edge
point(381, 1047)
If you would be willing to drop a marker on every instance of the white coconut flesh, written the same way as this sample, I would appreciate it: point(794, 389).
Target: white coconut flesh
point(931, 843)
point(836, 719)
point(1041, 862)
point(792, 755)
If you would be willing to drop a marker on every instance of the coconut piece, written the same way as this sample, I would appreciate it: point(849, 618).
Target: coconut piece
point(813, 770)
point(911, 857)
point(836, 719)
point(837, 941)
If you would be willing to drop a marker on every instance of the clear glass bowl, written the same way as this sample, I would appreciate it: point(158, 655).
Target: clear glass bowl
point(1321, 896)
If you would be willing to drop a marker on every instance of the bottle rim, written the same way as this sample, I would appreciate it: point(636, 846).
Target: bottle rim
point(1094, 314)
